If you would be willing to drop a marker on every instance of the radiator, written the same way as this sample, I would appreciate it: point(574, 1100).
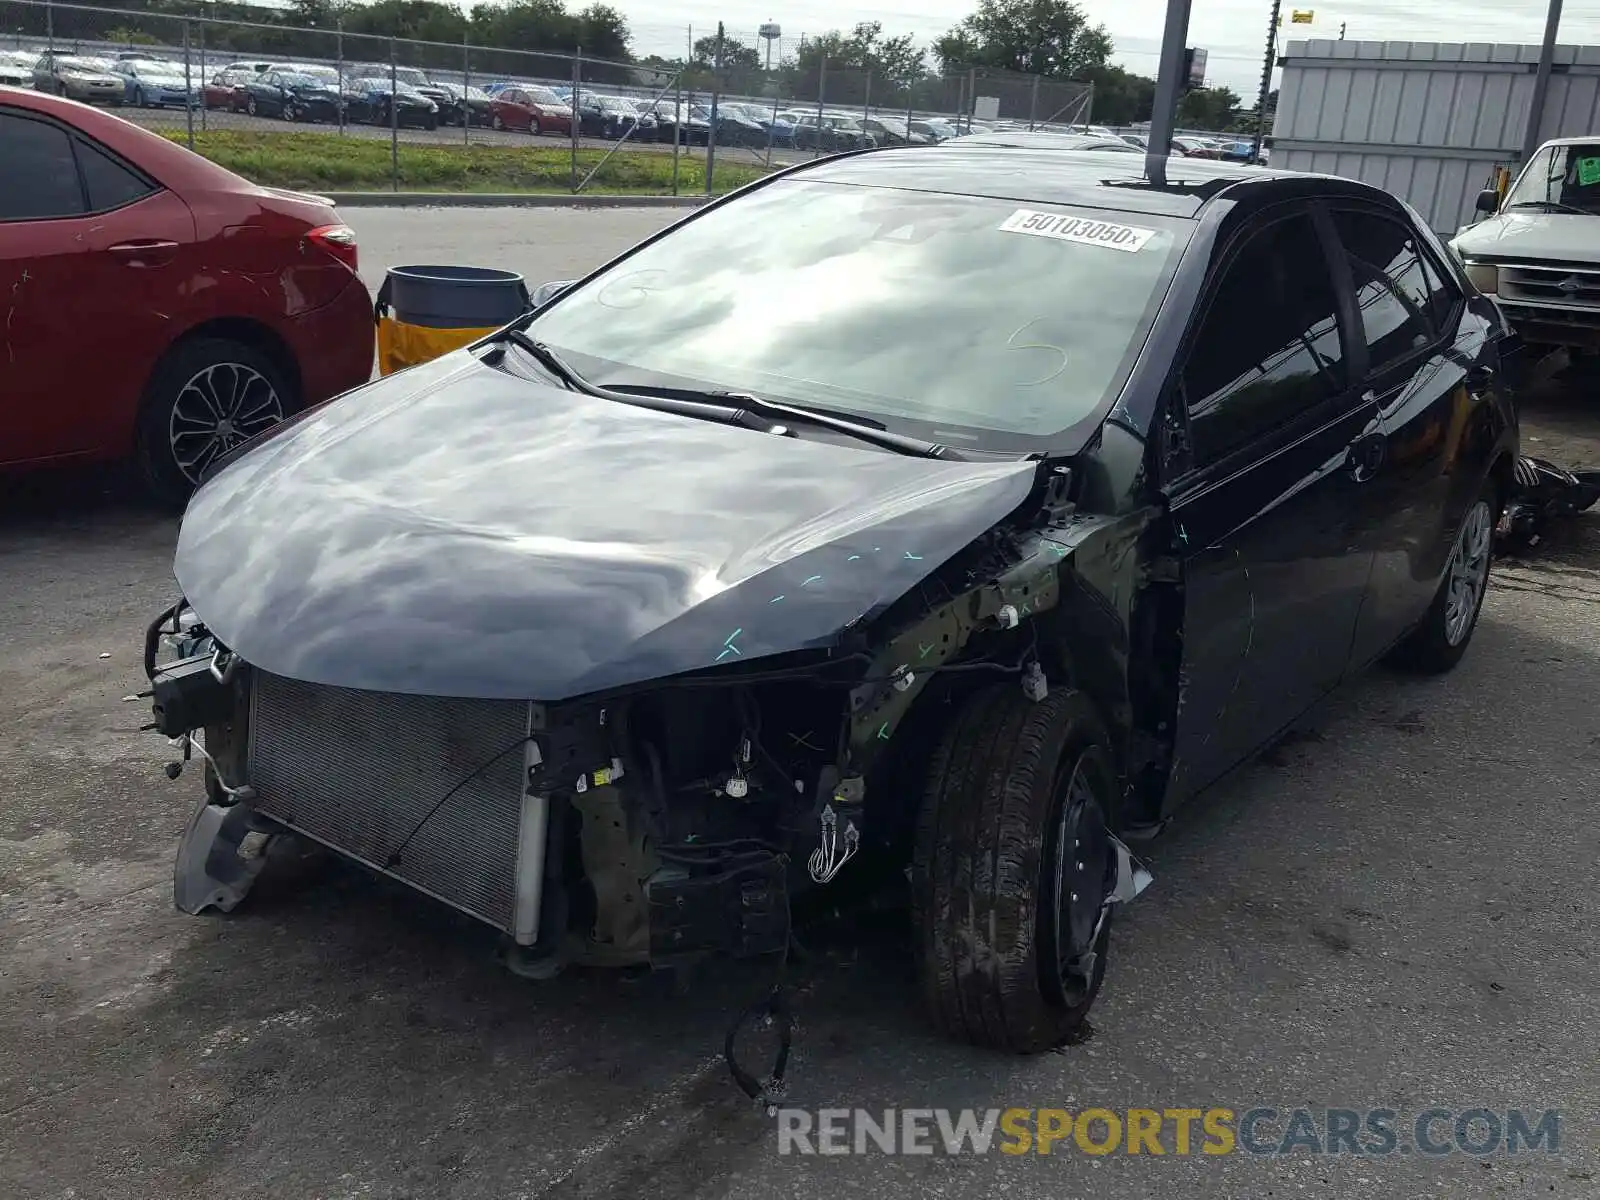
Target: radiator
point(359, 771)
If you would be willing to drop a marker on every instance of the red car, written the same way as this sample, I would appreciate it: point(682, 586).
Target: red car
point(155, 305)
point(226, 89)
point(533, 109)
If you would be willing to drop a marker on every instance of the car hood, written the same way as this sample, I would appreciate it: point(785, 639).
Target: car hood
point(454, 530)
point(1528, 234)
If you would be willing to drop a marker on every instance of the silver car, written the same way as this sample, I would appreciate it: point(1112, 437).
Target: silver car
point(89, 79)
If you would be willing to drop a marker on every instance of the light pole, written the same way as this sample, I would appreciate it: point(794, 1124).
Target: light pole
point(1541, 81)
point(770, 33)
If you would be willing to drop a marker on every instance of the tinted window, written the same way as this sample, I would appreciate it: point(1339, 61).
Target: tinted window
point(110, 184)
point(968, 319)
point(1392, 287)
point(39, 179)
point(1268, 348)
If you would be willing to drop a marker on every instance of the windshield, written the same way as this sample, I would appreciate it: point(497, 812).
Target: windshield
point(1563, 175)
point(544, 96)
point(409, 76)
point(963, 319)
point(295, 81)
point(324, 74)
point(83, 64)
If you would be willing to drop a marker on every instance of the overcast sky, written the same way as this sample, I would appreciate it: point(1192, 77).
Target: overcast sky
point(1232, 31)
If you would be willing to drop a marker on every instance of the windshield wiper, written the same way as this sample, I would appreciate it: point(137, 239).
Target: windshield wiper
point(1551, 204)
point(547, 358)
point(871, 432)
point(746, 410)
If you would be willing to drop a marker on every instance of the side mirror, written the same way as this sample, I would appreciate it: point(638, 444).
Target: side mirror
point(546, 292)
point(1488, 201)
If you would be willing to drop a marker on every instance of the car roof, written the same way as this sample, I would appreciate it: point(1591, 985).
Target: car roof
point(1574, 141)
point(1040, 139)
point(1088, 178)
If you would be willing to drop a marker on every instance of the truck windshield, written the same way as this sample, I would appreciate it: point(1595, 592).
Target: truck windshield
point(1564, 177)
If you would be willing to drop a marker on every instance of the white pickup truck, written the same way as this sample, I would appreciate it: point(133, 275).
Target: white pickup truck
point(1538, 250)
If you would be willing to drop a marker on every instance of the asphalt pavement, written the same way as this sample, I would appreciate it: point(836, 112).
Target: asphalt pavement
point(1395, 909)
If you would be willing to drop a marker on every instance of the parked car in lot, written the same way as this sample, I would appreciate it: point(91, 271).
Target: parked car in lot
point(732, 126)
point(216, 307)
point(531, 110)
point(612, 117)
point(151, 83)
point(1088, 497)
point(16, 68)
point(380, 102)
point(292, 95)
point(91, 80)
point(226, 88)
point(1537, 251)
point(935, 130)
point(774, 129)
point(682, 123)
point(831, 132)
point(894, 131)
point(464, 105)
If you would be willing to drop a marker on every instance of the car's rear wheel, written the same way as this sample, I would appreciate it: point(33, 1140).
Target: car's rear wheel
point(205, 398)
point(1013, 869)
point(1441, 638)
point(250, 105)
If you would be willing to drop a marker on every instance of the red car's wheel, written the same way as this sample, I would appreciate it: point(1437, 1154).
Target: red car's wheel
point(206, 397)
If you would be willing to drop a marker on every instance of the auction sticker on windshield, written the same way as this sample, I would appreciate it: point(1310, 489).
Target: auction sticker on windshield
point(1085, 230)
point(1588, 171)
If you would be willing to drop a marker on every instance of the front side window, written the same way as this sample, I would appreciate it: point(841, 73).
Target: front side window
point(969, 320)
point(1393, 290)
point(1268, 348)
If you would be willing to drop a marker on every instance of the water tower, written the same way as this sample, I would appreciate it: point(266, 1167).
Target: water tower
point(770, 33)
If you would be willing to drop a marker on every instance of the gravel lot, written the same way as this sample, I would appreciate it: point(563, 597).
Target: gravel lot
point(1394, 910)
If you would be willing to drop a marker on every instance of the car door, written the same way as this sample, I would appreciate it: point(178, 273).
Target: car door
point(1271, 417)
point(1431, 370)
point(93, 256)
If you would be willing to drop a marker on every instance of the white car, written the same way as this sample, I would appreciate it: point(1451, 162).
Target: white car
point(1538, 250)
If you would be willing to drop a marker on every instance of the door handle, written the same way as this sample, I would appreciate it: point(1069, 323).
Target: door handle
point(144, 252)
point(1365, 456)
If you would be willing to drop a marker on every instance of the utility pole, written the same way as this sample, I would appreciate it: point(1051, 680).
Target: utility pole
point(1266, 78)
point(1169, 86)
point(1541, 81)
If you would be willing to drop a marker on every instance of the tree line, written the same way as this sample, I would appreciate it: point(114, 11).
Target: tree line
point(1041, 58)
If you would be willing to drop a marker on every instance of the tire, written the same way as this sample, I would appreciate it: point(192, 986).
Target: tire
point(986, 872)
point(250, 105)
point(1441, 638)
point(496, 124)
point(165, 440)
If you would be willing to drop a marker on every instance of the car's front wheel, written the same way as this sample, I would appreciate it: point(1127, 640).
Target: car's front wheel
point(205, 398)
point(250, 105)
point(1442, 636)
point(1014, 868)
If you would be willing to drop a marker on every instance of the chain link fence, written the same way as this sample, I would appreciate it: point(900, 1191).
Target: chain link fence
point(323, 108)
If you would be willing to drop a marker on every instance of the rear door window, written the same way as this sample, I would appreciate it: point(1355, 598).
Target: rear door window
point(110, 182)
point(1268, 348)
point(1393, 288)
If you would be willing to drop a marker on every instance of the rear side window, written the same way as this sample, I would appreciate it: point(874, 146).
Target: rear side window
point(40, 179)
point(1393, 288)
point(1268, 347)
point(110, 183)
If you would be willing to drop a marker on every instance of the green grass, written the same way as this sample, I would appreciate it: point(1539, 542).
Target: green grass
point(360, 164)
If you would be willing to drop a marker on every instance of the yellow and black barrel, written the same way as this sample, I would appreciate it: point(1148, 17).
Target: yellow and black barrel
point(423, 312)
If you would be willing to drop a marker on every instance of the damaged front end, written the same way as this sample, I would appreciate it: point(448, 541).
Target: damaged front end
point(660, 822)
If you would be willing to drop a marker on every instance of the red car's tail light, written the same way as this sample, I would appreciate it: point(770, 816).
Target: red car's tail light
point(337, 240)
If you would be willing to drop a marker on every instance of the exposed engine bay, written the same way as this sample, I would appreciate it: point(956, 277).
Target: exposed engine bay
point(657, 825)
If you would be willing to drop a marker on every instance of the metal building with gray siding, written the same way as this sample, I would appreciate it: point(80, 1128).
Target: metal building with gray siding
point(1428, 121)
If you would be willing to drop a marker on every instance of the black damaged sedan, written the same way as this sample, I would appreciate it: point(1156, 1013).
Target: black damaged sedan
point(719, 576)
